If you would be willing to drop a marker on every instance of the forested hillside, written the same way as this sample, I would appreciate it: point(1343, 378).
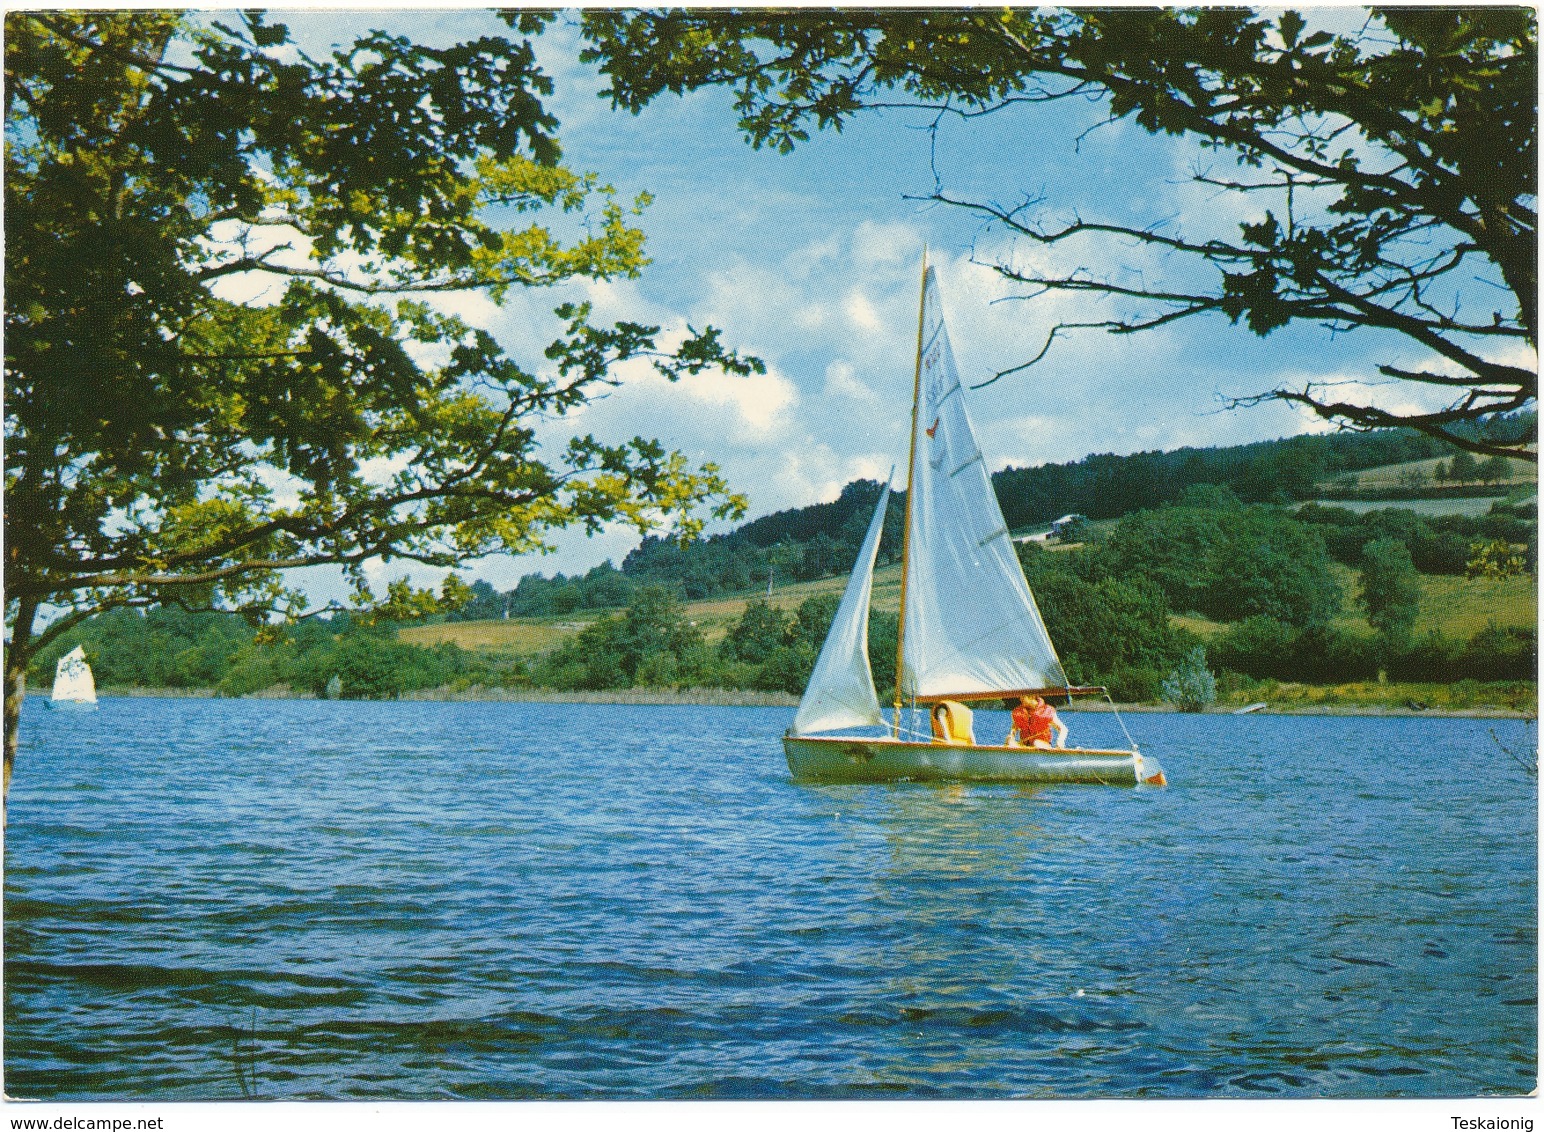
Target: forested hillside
point(821, 540)
point(1271, 590)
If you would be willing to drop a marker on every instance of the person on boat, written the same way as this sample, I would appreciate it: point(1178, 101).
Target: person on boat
point(1033, 722)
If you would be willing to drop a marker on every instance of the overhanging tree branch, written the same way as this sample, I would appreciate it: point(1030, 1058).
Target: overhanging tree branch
point(1398, 154)
point(153, 425)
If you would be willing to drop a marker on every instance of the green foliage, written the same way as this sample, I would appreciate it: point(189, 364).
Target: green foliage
point(760, 630)
point(1208, 497)
point(603, 587)
point(1261, 647)
point(1282, 474)
point(1501, 654)
point(796, 545)
point(1106, 626)
point(1391, 589)
point(163, 648)
point(1432, 658)
point(1437, 544)
point(371, 664)
point(1111, 632)
point(483, 603)
point(404, 602)
point(251, 669)
point(1105, 486)
point(1135, 685)
point(653, 645)
point(1463, 468)
point(1229, 565)
point(786, 669)
point(649, 643)
point(1494, 469)
point(826, 536)
point(169, 444)
point(566, 600)
point(1191, 686)
point(1258, 647)
point(1495, 559)
point(1492, 654)
point(770, 650)
point(1388, 174)
point(883, 638)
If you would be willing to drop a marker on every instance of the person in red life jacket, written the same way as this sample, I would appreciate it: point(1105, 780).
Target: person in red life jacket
point(1033, 722)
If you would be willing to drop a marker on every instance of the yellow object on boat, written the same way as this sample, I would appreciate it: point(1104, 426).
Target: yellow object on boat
point(953, 723)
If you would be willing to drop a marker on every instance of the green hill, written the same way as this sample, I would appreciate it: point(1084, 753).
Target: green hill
point(806, 544)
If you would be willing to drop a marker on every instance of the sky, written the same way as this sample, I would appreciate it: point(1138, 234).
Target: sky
point(811, 261)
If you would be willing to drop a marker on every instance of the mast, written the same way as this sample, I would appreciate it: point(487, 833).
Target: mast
point(911, 466)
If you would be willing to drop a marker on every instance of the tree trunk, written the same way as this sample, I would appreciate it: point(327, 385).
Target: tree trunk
point(17, 653)
point(15, 692)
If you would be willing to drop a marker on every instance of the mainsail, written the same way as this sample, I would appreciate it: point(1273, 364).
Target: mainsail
point(971, 625)
point(72, 679)
point(841, 689)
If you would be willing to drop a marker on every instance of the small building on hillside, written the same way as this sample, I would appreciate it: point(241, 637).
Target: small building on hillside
point(1057, 528)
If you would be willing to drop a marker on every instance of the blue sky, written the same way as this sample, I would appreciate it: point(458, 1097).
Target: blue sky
point(811, 261)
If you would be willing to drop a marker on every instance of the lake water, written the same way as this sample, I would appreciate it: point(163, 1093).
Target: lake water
point(211, 899)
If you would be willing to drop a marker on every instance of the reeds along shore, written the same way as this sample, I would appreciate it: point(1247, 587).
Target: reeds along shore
point(1511, 701)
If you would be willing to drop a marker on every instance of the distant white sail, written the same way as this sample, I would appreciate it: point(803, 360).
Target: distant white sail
point(841, 689)
point(72, 679)
point(971, 625)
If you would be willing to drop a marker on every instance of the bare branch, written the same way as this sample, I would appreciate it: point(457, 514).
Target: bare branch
point(1352, 417)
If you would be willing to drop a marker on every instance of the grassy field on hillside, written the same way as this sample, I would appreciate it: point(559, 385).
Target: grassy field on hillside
point(1467, 506)
point(516, 635)
point(1461, 607)
point(1394, 475)
point(1460, 696)
point(525, 637)
point(1457, 607)
point(1203, 627)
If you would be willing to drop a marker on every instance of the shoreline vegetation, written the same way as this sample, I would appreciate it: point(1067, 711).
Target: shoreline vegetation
point(1517, 701)
point(1208, 602)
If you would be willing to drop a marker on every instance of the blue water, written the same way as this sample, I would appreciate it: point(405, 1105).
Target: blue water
point(218, 899)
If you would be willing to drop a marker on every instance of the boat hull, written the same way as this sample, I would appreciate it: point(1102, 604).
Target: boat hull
point(827, 759)
point(72, 705)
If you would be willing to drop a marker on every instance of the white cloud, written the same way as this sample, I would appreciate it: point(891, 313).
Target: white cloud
point(842, 383)
point(759, 304)
point(475, 308)
point(817, 473)
point(381, 469)
point(725, 419)
point(861, 313)
point(759, 401)
point(889, 244)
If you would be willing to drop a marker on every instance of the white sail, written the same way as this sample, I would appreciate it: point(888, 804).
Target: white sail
point(72, 679)
point(971, 624)
point(841, 689)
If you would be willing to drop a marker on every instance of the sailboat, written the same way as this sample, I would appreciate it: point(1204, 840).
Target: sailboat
point(969, 627)
point(73, 685)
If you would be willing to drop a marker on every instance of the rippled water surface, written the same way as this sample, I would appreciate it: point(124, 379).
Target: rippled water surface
point(209, 899)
